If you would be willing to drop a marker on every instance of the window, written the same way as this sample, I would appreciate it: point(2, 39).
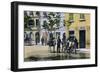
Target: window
point(37, 13)
point(71, 16)
point(82, 16)
point(31, 22)
point(31, 13)
point(25, 13)
point(37, 23)
point(44, 14)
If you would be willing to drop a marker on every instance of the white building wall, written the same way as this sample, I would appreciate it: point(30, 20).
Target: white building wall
point(42, 31)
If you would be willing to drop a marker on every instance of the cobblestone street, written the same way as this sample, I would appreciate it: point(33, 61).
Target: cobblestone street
point(42, 53)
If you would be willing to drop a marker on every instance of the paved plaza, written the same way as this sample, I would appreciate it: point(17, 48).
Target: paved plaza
point(42, 53)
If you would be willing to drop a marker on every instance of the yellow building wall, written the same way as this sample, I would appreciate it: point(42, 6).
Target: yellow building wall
point(78, 25)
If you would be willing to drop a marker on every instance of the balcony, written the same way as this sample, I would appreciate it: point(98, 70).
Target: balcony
point(70, 21)
point(82, 19)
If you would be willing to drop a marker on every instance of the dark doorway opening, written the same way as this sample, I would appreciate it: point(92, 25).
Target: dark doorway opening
point(82, 38)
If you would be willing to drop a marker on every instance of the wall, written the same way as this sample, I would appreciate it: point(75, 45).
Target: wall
point(5, 17)
point(78, 25)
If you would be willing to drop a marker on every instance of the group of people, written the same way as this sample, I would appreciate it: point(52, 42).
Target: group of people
point(63, 45)
point(59, 45)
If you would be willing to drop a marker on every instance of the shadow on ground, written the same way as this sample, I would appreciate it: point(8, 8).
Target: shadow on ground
point(58, 56)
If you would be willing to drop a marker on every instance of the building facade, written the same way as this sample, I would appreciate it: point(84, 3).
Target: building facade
point(79, 26)
point(73, 24)
point(36, 21)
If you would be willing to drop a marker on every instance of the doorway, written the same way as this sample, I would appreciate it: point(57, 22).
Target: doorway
point(82, 38)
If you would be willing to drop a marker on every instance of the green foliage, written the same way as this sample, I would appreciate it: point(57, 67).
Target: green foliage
point(26, 19)
point(53, 20)
point(45, 26)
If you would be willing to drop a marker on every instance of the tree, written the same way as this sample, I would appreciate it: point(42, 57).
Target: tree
point(28, 21)
point(45, 25)
point(53, 21)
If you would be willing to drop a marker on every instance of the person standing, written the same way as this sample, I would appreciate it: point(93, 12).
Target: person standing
point(58, 44)
point(36, 39)
point(63, 42)
point(30, 37)
point(76, 44)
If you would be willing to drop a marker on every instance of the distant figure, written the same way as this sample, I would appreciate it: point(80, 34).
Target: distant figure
point(63, 42)
point(58, 44)
point(30, 38)
point(42, 41)
point(26, 38)
point(36, 39)
point(76, 44)
point(54, 43)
